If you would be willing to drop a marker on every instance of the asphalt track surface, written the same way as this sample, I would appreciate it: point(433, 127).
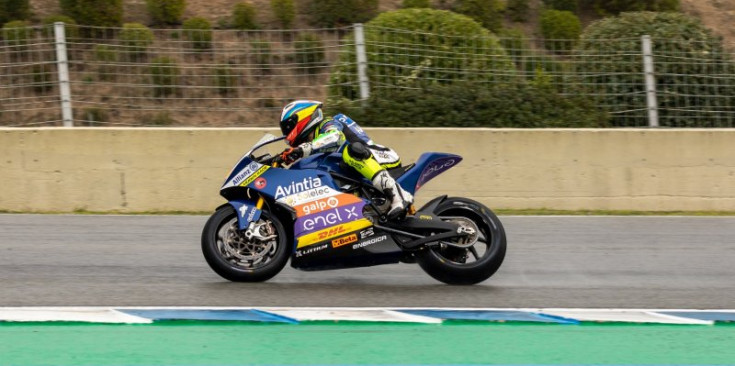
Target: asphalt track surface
point(552, 261)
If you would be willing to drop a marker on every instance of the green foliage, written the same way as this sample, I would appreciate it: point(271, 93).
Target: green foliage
point(198, 31)
point(70, 25)
point(475, 105)
point(42, 78)
point(561, 30)
point(518, 10)
point(164, 76)
point(443, 46)
point(166, 11)
point(225, 80)
point(14, 10)
point(105, 55)
point(309, 52)
point(135, 38)
point(284, 11)
point(17, 33)
point(261, 54)
point(162, 118)
point(95, 116)
point(614, 7)
point(100, 13)
point(686, 57)
point(568, 5)
point(243, 16)
point(488, 12)
point(334, 13)
point(415, 4)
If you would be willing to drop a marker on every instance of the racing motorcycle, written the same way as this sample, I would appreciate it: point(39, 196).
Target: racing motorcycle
point(322, 214)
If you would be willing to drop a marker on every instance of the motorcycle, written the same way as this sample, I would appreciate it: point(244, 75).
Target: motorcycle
point(322, 215)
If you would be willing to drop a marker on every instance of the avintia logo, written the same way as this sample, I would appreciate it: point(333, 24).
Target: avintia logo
point(297, 187)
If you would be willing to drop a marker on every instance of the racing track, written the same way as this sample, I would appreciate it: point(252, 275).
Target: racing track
point(617, 262)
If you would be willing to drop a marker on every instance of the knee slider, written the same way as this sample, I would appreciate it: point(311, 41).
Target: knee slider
point(358, 150)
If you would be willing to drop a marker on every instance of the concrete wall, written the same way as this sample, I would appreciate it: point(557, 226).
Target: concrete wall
point(136, 170)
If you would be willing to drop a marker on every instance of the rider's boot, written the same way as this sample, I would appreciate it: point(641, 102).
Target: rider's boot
point(400, 199)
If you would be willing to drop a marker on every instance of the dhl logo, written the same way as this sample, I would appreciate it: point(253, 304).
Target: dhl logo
point(332, 232)
point(344, 240)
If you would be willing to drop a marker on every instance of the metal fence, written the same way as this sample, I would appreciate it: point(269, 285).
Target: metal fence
point(243, 78)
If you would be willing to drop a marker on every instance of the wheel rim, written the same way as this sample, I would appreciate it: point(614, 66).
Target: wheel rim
point(465, 256)
point(243, 253)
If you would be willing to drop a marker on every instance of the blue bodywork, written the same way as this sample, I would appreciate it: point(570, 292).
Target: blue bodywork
point(313, 172)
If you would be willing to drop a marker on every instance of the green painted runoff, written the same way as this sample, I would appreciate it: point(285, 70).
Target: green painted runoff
point(234, 343)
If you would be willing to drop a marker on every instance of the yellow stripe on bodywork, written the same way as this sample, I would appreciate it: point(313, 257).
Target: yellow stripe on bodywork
point(332, 232)
point(255, 175)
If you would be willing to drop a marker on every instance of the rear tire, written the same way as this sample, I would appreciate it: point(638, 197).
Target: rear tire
point(234, 257)
point(450, 264)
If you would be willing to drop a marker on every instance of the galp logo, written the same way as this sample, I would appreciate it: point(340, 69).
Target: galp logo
point(344, 240)
point(320, 205)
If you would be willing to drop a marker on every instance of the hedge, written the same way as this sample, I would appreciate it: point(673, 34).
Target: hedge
point(489, 13)
point(614, 7)
point(166, 11)
point(100, 13)
point(561, 30)
point(688, 60)
point(14, 10)
point(434, 46)
point(243, 16)
point(284, 11)
point(198, 32)
point(335, 13)
point(468, 104)
point(135, 38)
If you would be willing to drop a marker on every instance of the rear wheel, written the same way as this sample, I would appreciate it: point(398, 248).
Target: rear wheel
point(477, 262)
point(238, 258)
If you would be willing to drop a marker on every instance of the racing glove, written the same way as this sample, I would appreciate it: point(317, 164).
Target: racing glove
point(292, 154)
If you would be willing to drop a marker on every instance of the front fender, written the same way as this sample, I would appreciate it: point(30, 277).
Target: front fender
point(246, 211)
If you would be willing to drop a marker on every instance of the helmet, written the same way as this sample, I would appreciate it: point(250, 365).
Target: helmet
point(299, 118)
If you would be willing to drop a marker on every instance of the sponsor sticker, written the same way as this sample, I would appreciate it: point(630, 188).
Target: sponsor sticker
point(260, 183)
point(246, 172)
point(298, 187)
point(310, 250)
point(367, 233)
point(332, 232)
point(328, 218)
point(435, 168)
point(349, 239)
point(307, 196)
point(319, 205)
point(255, 175)
point(425, 217)
point(368, 242)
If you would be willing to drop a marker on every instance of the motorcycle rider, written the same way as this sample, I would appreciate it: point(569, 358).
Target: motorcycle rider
point(308, 132)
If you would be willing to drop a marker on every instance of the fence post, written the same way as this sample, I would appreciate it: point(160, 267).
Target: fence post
point(62, 65)
point(361, 62)
point(648, 71)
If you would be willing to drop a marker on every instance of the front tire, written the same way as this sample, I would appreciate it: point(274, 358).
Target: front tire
point(239, 259)
point(458, 266)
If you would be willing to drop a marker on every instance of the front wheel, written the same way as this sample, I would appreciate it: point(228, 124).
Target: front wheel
point(235, 257)
point(466, 266)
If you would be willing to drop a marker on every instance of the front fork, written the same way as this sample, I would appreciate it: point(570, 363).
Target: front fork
point(253, 229)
